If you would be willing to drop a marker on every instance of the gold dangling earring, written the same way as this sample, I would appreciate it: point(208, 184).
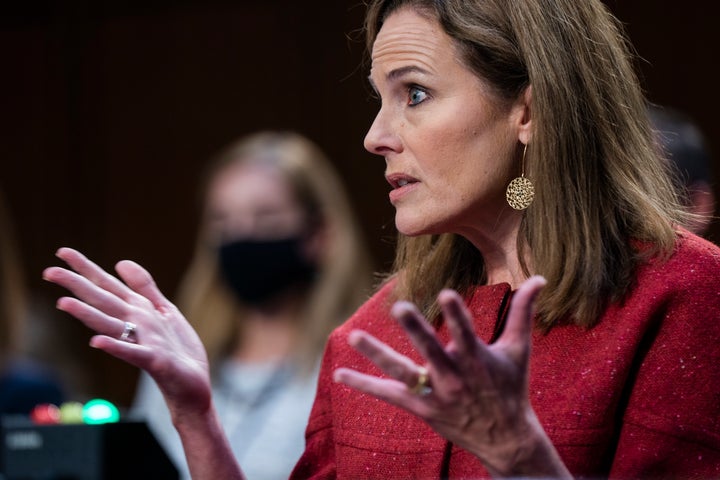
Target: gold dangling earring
point(520, 192)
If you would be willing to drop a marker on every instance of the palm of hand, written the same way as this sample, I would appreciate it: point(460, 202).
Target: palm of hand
point(481, 404)
point(165, 346)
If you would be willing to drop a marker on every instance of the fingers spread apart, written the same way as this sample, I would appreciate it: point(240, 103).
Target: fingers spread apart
point(394, 364)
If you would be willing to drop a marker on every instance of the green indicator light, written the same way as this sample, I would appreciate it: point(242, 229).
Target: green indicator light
point(99, 411)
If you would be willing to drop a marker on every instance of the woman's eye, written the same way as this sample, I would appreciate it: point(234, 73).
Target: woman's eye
point(416, 95)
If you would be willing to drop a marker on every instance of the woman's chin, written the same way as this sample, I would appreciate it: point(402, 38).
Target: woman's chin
point(412, 227)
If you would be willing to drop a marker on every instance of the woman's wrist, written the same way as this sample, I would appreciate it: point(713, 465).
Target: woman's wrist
point(204, 419)
point(529, 454)
point(207, 450)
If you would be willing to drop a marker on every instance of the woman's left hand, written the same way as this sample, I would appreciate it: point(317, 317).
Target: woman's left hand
point(476, 395)
point(134, 322)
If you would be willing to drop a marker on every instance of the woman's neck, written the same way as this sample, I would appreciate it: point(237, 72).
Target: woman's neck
point(269, 334)
point(498, 246)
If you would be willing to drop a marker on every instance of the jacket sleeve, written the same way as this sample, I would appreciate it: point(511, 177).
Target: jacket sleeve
point(671, 424)
point(318, 459)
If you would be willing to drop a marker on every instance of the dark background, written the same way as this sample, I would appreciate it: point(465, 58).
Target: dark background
point(110, 110)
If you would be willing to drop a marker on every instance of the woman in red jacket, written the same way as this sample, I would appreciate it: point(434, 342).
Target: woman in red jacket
point(517, 144)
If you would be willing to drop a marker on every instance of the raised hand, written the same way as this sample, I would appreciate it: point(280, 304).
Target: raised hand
point(136, 323)
point(473, 394)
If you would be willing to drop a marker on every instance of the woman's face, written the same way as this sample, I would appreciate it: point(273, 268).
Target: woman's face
point(252, 201)
point(450, 145)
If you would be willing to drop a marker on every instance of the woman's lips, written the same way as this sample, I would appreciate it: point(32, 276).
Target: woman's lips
point(401, 185)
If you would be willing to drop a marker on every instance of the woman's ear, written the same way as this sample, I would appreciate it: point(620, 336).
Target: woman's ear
point(524, 116)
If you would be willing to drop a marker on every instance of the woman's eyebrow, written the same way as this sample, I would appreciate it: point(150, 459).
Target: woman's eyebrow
point(399, 73)
point(402, 71)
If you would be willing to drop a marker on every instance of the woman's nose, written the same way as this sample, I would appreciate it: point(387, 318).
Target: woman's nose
point(380, 138)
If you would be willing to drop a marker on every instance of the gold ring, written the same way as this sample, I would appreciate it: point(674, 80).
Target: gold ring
point(422, 387)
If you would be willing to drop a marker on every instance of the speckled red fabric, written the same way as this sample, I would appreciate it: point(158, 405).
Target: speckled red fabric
point(638, 396)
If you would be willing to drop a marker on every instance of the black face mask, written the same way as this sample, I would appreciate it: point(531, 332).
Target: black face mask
point(259, 270)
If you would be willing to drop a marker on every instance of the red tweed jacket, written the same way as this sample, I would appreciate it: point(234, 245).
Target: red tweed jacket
point(637, 396)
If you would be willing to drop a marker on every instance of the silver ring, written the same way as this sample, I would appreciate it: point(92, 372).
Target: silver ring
point(129, 333)
point(422, 387)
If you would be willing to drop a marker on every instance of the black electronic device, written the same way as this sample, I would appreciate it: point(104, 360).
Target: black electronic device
point(111, 451)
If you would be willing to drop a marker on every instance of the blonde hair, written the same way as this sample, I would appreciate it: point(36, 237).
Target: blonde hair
point(344, 276)
point(601, 188)
point(12, 289)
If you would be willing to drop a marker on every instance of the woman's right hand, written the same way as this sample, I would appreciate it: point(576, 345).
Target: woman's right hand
point(163, 343)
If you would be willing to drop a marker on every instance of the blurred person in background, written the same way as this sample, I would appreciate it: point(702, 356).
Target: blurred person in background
point(279, 263)
point(24, 380)
point(684, 144)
